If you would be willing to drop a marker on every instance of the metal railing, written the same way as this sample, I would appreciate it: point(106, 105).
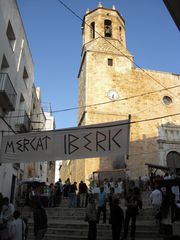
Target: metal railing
point(24, 122)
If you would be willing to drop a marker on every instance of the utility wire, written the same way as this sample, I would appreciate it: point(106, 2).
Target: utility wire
point(121, 124)
point(103, 103)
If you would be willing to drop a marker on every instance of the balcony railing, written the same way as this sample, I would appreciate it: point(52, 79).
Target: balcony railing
point(7, 93)
point(24, 122)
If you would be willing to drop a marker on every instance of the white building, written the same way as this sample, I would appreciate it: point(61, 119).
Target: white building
point(19, 101)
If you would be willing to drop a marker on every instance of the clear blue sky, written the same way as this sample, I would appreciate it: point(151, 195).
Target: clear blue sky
point(55, 40)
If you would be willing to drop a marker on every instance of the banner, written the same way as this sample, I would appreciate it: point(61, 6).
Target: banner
point(67, 144)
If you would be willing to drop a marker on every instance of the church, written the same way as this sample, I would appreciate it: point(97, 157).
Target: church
point(112, 88)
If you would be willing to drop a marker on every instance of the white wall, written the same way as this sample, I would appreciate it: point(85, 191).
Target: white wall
point(17, 58)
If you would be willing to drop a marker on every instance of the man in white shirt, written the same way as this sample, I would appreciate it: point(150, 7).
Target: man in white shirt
point(17, 227)
point(156, 199)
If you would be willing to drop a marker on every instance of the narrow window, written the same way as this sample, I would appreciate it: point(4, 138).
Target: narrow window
point(25, 76)
point(107, 28)
point(4, 63)
point(110, 62)
point(120, 32)
point(93, 30)
point(11, 36)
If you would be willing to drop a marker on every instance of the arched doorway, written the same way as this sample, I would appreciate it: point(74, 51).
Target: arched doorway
point(173, 161)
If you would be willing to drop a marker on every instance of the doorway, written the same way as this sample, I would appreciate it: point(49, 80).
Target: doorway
point(173, 161)
point(13, 188)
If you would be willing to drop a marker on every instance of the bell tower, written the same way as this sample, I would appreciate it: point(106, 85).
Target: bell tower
point(104, 58)
point(103, 23)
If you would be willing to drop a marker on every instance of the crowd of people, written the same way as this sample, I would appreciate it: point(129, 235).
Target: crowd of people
point(76, 195)
point(97, 204)
point(14, 227)
point(164, 196)
point(96, 199)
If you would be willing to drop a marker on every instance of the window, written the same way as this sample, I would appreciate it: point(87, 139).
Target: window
point(93, 30)
point(110, 62)
point(4, 63)
point(120, 32)
point(22, 98)
point(25, 76)
point(11, 36)
point(167, 100)
point(107, 28)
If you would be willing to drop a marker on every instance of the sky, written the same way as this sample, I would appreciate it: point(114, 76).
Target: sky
point(55, 40)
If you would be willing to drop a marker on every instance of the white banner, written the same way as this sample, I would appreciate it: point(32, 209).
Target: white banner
point(72, 143)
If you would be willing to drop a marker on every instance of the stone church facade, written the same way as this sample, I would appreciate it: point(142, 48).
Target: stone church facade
point(111, 88)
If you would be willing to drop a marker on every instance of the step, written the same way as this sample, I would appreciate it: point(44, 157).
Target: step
point(80, 237)
point(80, 229)
point(60, 212)
point(83, 224)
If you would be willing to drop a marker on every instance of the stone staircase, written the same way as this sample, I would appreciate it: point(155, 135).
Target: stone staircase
point(66, 223)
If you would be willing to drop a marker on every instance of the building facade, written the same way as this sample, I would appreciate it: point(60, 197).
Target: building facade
point(112, 88)
point(20, 104)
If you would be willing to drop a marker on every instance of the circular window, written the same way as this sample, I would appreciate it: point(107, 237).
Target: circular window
point(167, 100)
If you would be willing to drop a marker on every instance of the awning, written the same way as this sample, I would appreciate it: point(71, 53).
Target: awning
point(157, 166)
point(154, 167)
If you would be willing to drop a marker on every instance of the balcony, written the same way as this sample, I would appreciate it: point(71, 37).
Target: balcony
point(23, 123)
point(7, 93)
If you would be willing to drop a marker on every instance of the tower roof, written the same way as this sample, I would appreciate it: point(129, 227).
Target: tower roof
point(101, 7)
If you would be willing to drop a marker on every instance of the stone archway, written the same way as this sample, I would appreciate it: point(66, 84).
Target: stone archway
point(173, 161)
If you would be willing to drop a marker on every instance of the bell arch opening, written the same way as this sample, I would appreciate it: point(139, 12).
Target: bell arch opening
point(107, 28)
point(93, 30)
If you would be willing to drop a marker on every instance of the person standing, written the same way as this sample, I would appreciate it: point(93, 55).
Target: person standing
point(7, 216)
point(166, 214)
point(17, 227)
point(51, 196)
point(156, 198)
point(111, 197)
point(133, 202)
point(91, 218)
point(59, 191)
point(102, 198)
point(82, 194)
point(40, 221)
point(117, 218)
point(72, 195)
point(66, 187)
